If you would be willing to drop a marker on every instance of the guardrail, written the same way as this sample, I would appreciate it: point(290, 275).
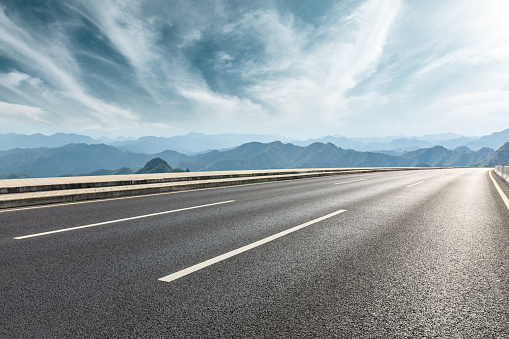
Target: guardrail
point(503, 173)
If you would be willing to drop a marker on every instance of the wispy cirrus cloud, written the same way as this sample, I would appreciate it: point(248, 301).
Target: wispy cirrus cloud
point(16, 79)
point(46, 55)
point(359, 67)
point(439, 51)
point(314, 78)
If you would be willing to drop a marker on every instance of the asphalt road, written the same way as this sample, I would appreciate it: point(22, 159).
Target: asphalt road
point(402, 254)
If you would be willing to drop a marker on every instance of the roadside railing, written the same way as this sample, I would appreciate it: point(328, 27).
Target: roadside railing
point(503, 173)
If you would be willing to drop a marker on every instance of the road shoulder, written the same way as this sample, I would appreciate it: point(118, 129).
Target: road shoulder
point(503, 188)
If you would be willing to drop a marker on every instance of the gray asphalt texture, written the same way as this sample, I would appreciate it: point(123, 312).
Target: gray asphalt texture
point(430, 260)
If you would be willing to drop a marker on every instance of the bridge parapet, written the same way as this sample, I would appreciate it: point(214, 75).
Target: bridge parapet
point(503, 173)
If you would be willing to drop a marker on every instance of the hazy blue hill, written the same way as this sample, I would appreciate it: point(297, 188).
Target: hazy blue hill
point(343, 142)
point(191, 166)
point(270, 158)
point(286, 153)
point(279, 155)
point(371, 144)
point(150, 144)
point(441, 156)
point(206, 158)
point(403, 143)
point(317, 149)
point(391, 152)
point(331, 156)
point(244, 151)
point(13, 141)
point(434, 138)
point(267, 159)
point(191, 143)
point(253, 155)
point(252, 149)
point(458, 142)
point(351, 158)
point(462, 149)
point(399, 144)
point(434, 156)
point(172, 157)
point(119, 171)
point(500, 157)
point(224, 165)
point(69, 159)
point(494, 140)
point(340, 141)
point(473, 158)
point(79, 158)
point(276, 155)
point(320, 155)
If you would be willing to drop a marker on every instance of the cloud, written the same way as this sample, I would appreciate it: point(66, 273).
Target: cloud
point(438, 51)
point(130, 36)
point(281, 66)
point(267, 66)
point(24, 89)
point(463, 33)
point(225, 111)
point(17, 79)
point(314, 77)
point(35, 51)
point(492, 104)
point(49, 57)
point(138, 37)
point(22, 113)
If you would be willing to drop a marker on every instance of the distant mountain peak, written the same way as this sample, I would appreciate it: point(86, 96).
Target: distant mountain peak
point(156, 165)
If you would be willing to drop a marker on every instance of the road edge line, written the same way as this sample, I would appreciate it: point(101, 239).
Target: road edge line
point(499, 190)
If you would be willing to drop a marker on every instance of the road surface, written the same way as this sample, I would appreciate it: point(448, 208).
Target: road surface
point(400, 254)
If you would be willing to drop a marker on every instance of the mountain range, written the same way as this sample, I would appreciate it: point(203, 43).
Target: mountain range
point(500, 157)
point(191, 143)
point(82, 158)
point(12, 140)
point(195, 143)
point(400, 145)
point(68, 159)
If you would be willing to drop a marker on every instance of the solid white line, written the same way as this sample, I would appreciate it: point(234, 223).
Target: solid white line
point(346, 182)
point(417, 183)
point(230, 254)
point(504, 197)
point(120, 220)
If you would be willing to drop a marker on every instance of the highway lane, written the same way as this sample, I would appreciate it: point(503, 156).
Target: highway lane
point(417, 253)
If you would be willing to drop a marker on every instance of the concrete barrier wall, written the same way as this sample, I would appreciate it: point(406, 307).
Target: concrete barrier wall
point(503, 173)
point(28, 192)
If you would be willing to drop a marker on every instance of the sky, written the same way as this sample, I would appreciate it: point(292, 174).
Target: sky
point(300, 69)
